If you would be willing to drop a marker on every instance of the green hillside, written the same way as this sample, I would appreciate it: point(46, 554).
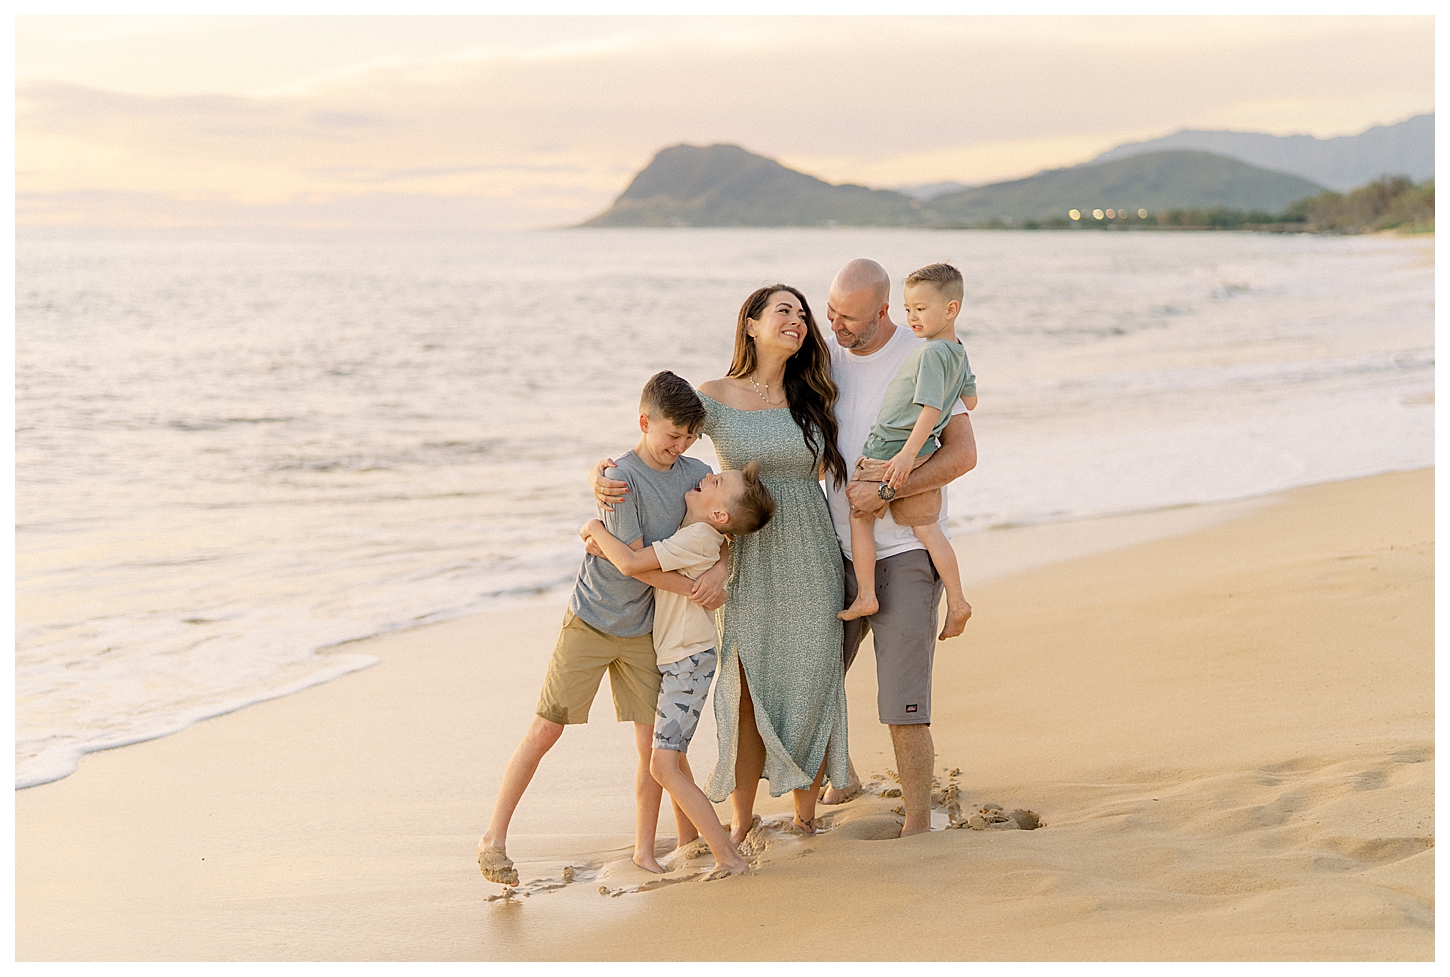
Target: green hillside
point(725, 186)
point(1156, 181)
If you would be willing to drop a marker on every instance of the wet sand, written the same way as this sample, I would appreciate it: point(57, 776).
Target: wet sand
point(1224, 716)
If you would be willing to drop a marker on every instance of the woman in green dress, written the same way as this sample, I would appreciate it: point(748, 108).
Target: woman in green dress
point(780, 700)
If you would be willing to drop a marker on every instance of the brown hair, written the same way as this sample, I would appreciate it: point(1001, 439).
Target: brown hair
point(809, 389)
point(943, 277)
point(755, 506)
point(671, 397)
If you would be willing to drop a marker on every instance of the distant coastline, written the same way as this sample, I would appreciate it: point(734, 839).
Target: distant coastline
point(1189, 181)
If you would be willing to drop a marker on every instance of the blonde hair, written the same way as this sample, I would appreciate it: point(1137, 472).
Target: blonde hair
point(754, 507)
point(941, 276)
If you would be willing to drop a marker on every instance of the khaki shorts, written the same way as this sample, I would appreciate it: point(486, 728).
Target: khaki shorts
point(581, 657)
point(921, 509)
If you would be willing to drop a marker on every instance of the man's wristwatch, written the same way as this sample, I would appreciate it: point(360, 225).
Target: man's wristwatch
point(886, 492)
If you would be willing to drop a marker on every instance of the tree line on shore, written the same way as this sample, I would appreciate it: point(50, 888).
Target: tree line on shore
point(1389, 203)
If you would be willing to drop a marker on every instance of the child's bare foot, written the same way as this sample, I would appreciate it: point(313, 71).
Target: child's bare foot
point(957, 615)
point(732, 864)
point(648, 862)
point(496, 866)
point(863, 606)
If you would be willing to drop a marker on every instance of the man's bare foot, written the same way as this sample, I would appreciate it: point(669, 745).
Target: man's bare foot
point(915, 829)
point(863, 606)
point(495, 865)
point(957, 618)
point(648, 862)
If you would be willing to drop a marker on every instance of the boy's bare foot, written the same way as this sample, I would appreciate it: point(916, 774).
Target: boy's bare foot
point(726, 867)
point(649, 863)
point(862, 606)
point(496, 866)
point(956, 623)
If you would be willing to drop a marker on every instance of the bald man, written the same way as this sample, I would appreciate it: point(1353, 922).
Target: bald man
point(867, 350)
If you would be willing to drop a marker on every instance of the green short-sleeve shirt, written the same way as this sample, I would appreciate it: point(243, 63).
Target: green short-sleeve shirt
point(935, 375)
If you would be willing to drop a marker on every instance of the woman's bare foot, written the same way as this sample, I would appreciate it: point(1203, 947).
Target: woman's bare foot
point(805, 827)
point(957, 616)
point(648, 862)
point(737, 834)
point(863, 606)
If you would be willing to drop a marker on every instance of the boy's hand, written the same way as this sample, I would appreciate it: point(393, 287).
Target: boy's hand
point(709, 590)
point(897, 469)
point(606, 490)
point(587, 531)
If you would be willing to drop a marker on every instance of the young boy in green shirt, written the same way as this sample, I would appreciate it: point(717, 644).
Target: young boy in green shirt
point(917, 407)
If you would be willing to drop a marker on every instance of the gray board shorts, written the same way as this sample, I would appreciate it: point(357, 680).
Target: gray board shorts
point(684, 686)
point(904, 633)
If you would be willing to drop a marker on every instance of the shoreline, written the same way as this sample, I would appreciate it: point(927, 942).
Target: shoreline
point(1081, 535)
point(1225, 728)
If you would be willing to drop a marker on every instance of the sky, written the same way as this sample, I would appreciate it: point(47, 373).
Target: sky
point(509, 122)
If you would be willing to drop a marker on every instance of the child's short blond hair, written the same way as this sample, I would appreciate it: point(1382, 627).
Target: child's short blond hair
point(755, 506)
point(941, 276)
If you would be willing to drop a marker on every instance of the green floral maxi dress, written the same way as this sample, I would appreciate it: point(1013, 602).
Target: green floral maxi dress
point(779, 620)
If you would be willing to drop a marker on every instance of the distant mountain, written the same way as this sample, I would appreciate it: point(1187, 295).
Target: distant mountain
point(725, 186)
point(930, 191)
point(1154, 181)
point(1342, 163)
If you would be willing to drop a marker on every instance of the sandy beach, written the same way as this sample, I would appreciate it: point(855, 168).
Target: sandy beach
point(1223, 715)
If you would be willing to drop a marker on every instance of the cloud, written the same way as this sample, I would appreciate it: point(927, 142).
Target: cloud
point(551, 124)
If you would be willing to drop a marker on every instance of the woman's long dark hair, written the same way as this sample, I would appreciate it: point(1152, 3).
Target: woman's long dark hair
point(809, 389)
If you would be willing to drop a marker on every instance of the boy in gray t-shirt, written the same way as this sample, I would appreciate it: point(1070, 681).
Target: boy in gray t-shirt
point(607, 626)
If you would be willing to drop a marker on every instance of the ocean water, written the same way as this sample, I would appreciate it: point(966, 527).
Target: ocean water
point(238, 451)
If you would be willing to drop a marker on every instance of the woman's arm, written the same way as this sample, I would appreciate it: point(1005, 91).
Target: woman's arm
point(606, 491)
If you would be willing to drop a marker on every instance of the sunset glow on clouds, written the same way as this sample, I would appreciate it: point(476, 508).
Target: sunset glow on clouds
point(519, 122)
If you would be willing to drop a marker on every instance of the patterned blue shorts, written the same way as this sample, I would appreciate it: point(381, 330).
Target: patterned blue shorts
point(683, 687)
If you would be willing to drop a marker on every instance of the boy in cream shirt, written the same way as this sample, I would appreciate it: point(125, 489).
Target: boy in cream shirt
point(735, 502)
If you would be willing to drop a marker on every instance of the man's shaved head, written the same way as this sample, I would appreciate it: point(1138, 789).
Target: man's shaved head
point(858, 306)
point(862, 273)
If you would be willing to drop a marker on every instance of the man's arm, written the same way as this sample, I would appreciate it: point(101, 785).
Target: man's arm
point(956, 456)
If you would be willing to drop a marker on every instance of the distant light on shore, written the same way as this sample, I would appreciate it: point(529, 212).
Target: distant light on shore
point(1097, 215)
point(1075, 214)
point(1111, 213)
point(1142, 213)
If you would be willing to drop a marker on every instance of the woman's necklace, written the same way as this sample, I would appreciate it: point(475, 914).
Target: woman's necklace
point(763, 396)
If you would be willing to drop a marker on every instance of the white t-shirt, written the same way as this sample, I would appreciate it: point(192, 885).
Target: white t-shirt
point(683, 628)
point(862, 382)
